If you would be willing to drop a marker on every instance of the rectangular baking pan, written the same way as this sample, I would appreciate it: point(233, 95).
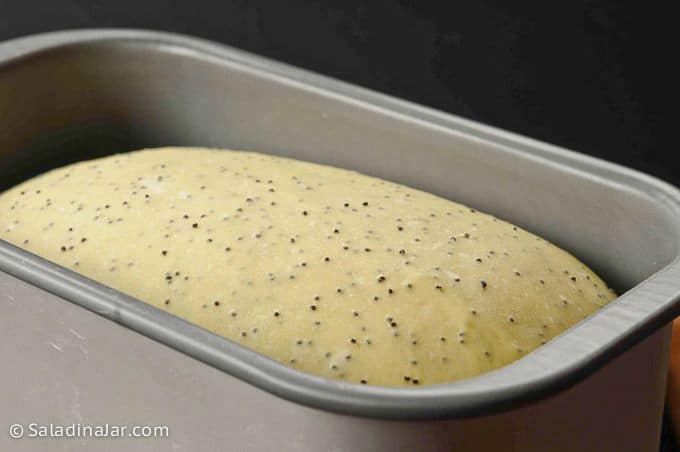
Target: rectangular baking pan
point(76, 95)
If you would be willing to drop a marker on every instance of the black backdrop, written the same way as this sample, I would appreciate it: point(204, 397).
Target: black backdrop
point(593, 76)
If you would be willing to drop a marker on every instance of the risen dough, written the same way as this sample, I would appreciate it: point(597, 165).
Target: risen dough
point(326, 270)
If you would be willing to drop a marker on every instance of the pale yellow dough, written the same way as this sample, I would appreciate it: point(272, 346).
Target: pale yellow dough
point(326, 270)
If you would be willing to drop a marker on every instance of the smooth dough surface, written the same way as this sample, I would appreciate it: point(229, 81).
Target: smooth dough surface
point(327, 270)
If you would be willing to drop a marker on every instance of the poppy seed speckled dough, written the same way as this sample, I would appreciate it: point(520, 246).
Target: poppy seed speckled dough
point(326, 270)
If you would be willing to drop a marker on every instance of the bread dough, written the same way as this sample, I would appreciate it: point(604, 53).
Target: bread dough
point(329, 271)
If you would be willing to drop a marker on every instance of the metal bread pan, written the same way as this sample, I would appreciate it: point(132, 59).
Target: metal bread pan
point(77, 95)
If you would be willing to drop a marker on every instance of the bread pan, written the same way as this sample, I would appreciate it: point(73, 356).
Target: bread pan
point(75, 95)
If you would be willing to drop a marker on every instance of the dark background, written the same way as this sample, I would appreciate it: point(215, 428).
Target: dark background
point(593, 76)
